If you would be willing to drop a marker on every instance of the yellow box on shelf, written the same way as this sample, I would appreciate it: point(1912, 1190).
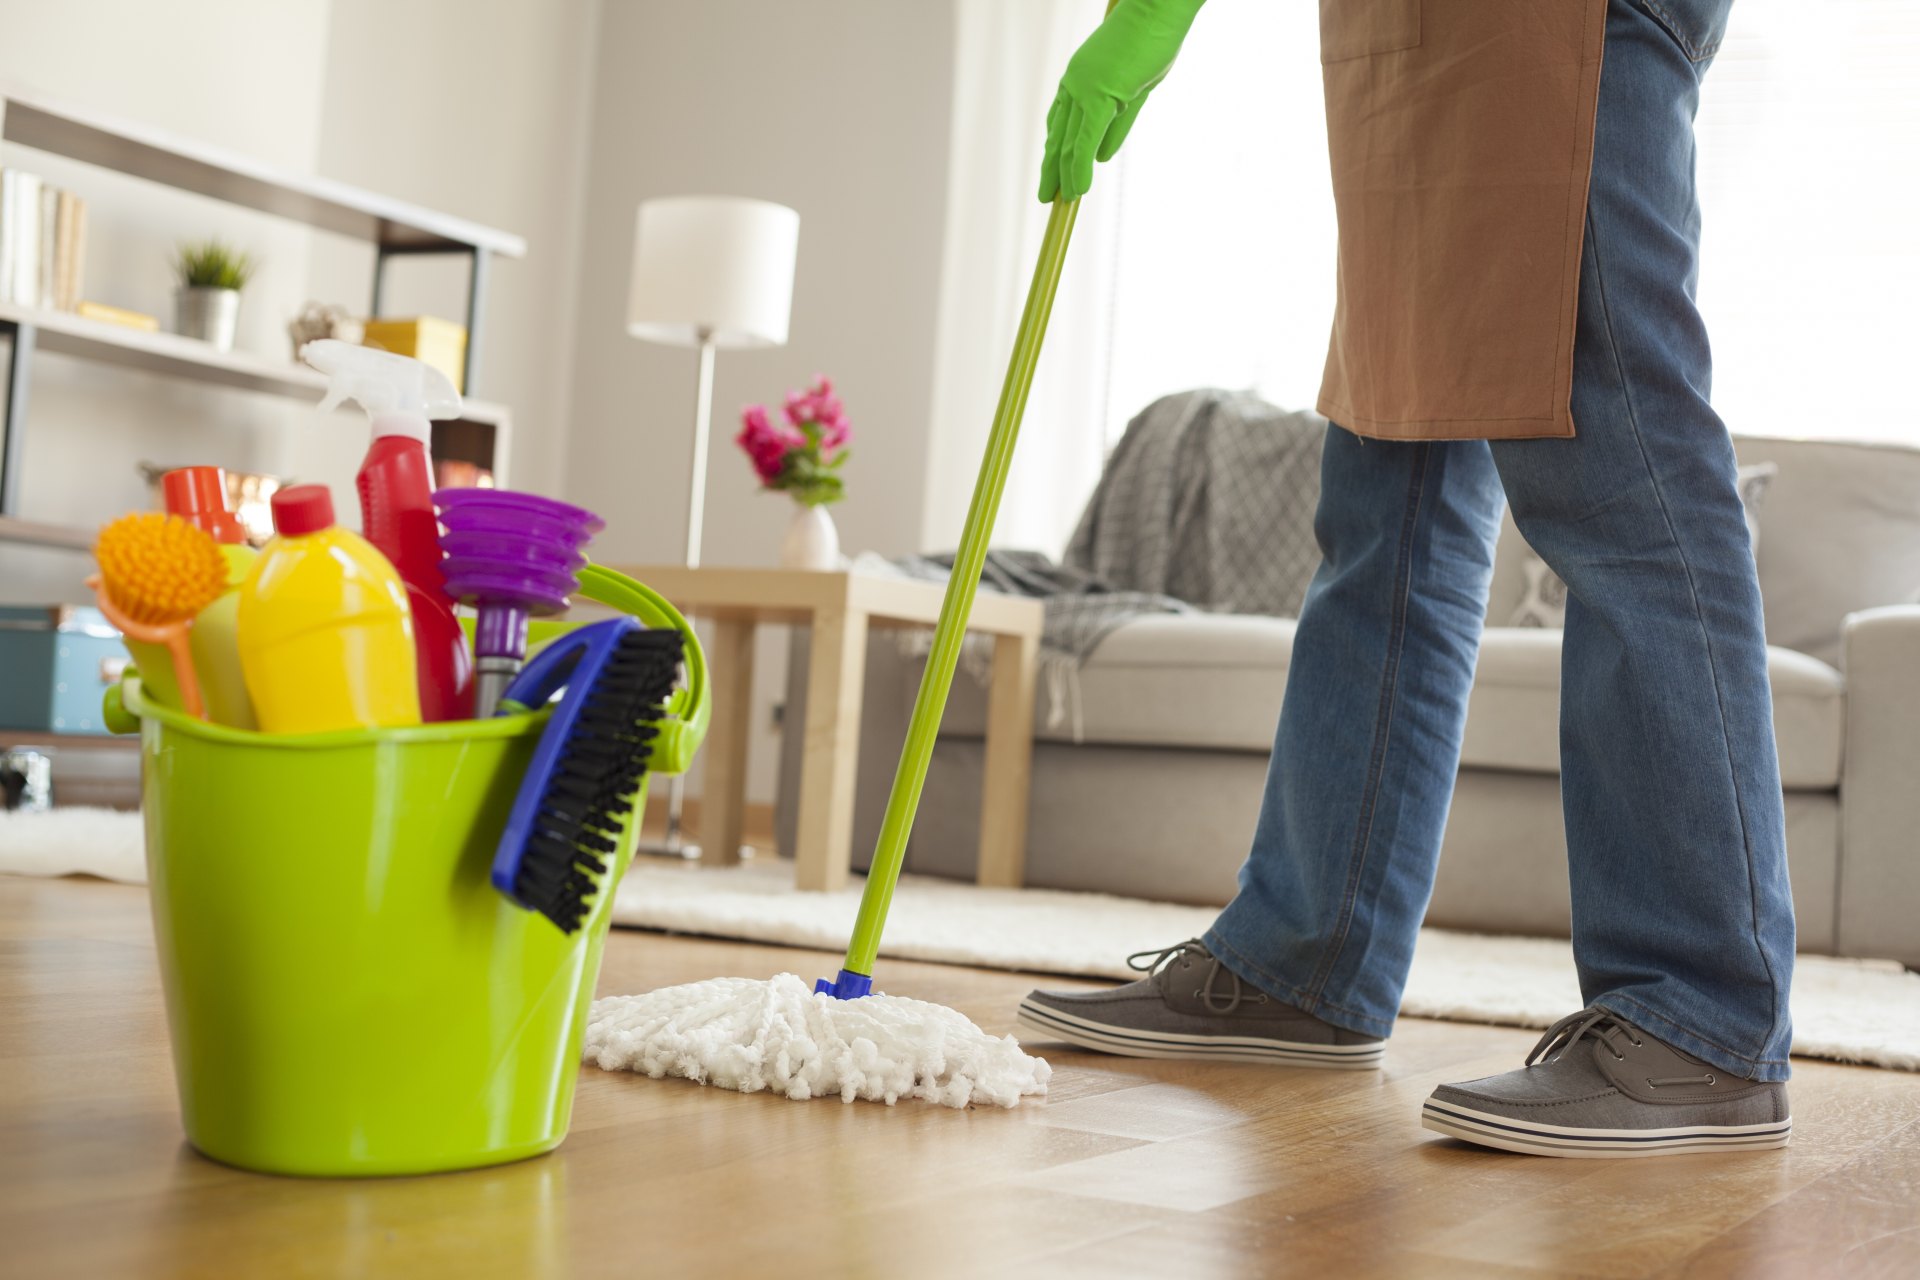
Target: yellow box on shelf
point(428, 339)
point(118, 315)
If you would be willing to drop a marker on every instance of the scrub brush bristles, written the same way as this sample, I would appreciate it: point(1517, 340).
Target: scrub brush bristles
point(158, 569)
point(586, 797)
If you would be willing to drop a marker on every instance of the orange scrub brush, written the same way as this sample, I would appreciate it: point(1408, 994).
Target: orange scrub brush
point(156, 572)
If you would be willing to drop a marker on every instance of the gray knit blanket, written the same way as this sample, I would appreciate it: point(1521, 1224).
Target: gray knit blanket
point(1205, 504)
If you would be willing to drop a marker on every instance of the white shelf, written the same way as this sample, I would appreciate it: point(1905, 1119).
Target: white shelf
point(41, 534)
point(64, 333)
point(45, 124)
point(32, 120)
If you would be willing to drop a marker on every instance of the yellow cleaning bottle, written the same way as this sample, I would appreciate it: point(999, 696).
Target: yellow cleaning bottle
point(326, 639)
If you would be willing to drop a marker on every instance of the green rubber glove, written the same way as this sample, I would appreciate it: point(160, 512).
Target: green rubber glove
point(1106, 84)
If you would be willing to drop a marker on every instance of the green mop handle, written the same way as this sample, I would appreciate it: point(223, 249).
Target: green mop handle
point(931, 702)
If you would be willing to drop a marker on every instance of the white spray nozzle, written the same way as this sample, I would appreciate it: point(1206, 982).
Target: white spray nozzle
point(381, 381)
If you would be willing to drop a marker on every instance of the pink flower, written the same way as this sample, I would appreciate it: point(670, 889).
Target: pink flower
point(766, 445)
point(819, 407)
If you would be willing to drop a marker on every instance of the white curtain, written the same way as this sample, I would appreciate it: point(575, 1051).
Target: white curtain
point(1205, 255)
point(1007, 63)
point(1809, 164)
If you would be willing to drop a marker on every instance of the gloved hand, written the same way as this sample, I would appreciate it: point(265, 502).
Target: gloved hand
point(1106, 83)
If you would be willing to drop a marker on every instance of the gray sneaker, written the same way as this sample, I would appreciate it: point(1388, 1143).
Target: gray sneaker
point(1191, 1006)
point(1603, 1087)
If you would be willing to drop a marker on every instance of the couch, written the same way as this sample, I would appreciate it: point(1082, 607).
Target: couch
point(1158, 797)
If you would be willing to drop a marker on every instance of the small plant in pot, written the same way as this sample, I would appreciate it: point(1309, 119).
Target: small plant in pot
point(801, 458)
point(207, 303)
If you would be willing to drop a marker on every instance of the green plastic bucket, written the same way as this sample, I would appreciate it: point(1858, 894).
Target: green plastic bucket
point(347, 993)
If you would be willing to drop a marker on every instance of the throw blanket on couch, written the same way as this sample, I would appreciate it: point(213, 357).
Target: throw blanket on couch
point(1078, 610)
point(1209, 497)
point(1206, 502)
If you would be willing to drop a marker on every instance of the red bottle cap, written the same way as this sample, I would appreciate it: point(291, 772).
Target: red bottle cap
point(198, 495)
point(305, 508)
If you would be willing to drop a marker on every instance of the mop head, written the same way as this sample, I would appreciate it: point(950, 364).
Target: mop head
point(739, 1033)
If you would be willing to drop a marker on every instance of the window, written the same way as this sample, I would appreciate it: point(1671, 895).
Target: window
point(1809, 169)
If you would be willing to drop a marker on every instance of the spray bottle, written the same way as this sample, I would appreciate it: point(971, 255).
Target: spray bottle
point(396, 502)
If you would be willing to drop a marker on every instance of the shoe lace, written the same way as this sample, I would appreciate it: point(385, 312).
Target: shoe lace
point(1161, 961)
point(1606, 1028)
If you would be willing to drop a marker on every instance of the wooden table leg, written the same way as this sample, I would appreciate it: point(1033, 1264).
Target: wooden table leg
point(836, 682)
point(1009, 763)
point(723, 793)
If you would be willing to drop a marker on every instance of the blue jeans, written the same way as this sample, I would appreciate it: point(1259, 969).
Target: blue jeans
point(1682, 917)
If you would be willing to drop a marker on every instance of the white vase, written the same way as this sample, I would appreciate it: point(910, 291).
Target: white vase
point(811, 542)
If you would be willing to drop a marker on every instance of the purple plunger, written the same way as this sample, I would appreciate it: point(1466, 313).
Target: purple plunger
point(512, 556)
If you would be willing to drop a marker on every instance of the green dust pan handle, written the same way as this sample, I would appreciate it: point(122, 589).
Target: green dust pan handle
point(931, 703)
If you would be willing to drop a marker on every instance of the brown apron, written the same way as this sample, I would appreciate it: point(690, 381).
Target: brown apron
point(1461, 136)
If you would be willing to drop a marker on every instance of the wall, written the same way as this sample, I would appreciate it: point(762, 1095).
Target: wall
point(476, 107)
point(838, 108)
point(88, 425)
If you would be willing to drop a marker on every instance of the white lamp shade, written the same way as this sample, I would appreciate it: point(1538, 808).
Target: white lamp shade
point(722, 265)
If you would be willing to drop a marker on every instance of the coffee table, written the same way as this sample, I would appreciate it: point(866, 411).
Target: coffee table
point(842, 608)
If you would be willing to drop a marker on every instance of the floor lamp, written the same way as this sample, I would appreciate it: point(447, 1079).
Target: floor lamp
point(709, 272)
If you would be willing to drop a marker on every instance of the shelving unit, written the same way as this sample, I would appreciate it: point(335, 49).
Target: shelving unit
point(394, 228)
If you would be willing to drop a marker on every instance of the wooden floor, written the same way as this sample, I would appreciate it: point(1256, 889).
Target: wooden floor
point(1128, 1168)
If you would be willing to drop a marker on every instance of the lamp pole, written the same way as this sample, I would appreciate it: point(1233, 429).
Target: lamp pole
point(702, 426)
point(673, 842)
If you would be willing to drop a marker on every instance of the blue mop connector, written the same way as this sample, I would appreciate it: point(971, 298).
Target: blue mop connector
point(848, 986)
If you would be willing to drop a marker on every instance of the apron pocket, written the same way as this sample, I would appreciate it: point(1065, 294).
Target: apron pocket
point(1362, 28)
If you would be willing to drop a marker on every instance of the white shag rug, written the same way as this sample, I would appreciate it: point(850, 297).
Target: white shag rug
point(1865, 1011)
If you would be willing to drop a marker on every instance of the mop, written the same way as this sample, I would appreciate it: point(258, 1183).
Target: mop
point(842, 1038)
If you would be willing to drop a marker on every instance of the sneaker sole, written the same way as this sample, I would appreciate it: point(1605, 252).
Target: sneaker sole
point(1131, 1043)
point(1509, 1134)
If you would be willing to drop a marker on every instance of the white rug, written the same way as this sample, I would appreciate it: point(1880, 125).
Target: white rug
point(1864, 1011)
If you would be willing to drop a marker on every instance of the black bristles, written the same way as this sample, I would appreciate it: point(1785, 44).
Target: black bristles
point(590, 793)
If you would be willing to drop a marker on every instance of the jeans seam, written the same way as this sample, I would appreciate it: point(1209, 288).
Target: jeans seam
point(1694, 52)
point(1643, 1011)
point(1273, 984)
point(1706, 636)
point(1383, 723)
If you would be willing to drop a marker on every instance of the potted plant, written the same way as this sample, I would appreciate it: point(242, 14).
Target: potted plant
point(207, 303)
point(802, 458)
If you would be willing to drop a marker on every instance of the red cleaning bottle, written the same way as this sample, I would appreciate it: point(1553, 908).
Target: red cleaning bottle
point(396, 503)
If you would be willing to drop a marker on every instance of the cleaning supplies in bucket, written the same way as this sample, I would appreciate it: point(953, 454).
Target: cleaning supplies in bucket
point(396, 502)
point(347, 994)
point(511, 556)
point(198, 495)
point(578, 793)
point(326, 636)
point(156, 572)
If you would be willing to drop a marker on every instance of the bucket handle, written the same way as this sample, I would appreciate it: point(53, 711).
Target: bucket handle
point(691, 707)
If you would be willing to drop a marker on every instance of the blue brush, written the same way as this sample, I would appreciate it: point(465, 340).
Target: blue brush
point(578, 792)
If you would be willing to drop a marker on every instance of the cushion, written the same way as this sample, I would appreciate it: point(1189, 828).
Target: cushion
point(1216, 681)
point(1842, 525)
point(1544, 602)
point(1177, 680)
point(1513, 719)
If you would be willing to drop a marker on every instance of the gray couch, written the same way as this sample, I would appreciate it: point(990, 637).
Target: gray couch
point(1159, 796)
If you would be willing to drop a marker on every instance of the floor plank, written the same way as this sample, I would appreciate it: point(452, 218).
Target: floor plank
point(1128, 1168)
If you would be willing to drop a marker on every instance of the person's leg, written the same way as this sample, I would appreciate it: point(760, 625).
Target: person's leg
point(1364, 759)
point(1682, 916)
point(1306, 965)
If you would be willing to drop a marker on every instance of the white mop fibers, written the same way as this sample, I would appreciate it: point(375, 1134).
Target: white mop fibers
point(739, 1033)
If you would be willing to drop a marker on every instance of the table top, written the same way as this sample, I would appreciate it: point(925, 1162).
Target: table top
point(796, 595)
